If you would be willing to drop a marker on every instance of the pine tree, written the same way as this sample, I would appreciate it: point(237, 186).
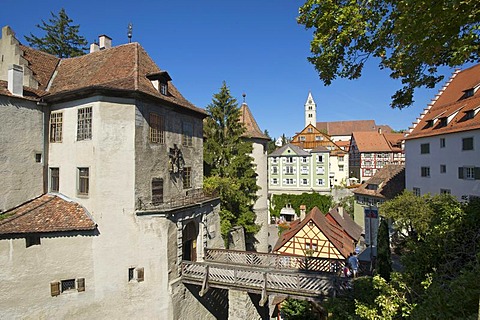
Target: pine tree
point(61, 38)
point(228, 165)
point(384, 259)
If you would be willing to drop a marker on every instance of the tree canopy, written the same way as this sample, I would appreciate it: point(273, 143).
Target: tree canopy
point(412, 38)
point(229, 168)
point(61, 38)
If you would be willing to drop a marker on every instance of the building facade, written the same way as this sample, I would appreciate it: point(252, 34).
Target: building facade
point(443, 146)
point(110, 134)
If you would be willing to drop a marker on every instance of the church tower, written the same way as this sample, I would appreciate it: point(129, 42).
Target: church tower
point(310, 111)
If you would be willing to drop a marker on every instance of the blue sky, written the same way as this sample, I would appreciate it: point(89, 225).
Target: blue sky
point(256, 46)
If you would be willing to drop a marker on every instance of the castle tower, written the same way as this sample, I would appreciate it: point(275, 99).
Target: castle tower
point(310, 111)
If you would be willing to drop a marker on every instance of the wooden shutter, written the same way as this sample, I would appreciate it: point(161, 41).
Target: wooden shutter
point(140, 274)
point(477, 173)
point(55, 288)
point(460, 172)
point(81, 284)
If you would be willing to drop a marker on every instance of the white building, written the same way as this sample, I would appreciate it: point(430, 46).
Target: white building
point(112, 155)
point(310, 111)
point(442, 149)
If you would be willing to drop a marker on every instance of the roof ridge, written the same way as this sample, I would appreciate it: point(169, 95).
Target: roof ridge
point(135, 71)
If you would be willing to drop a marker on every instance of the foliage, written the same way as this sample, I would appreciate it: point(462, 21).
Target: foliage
point(61, 39)
point(270, 144)
point(384, 259)
point(298, 310)
point(412, 38)
point(228, 165)
point(310, 200)
point(347, 203)
point(282, 227)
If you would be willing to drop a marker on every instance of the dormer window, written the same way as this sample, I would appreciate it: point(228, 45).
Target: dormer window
point(443, 121)
point(160, 81)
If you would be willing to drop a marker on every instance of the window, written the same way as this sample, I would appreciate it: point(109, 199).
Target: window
point(425, 148)
point(164, 88)
point(289, 170)
point(467, 143)
point(367, 155)
point(311, 244)
point(38, 157)
point(289, 181)
point(304, 182)
point(368, 172)
point(83, 181)
point(442, 142)
point(469, 173)
point(64, 286)
point(320, 182)
point(187, 137)
point(84, 124)
point(319, 158)
point(131, 275)
point(309, 115)
point(341, 158)
point(310, 130)
point(157, 191)
point(304, 170)
point(416, 191)
point(320, 170)
point(67, 285)
point(445, 191)
point(54, 179)
point(425, 171)
point(274, 170)
point(32, 241)
point(136, 274)
point(157, 128)
point(302, 138)
point(275, 160)
point(470, 114)
point(274, 181)
point(443, 168)
point(340, 168)
point(289, 160)
point(187, 177)
point(304, 160)
point(318, 138)
point(56, 127)
point(368, 164)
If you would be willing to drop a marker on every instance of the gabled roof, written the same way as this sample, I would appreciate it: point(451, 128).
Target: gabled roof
point(346, 222)
point(451, 102)
point(251, 126)
point(333, 232)
point(296, 150)
point(377, 142)
point(390, 182)
point(47, 213)
point(345, 128)
point(42, 65)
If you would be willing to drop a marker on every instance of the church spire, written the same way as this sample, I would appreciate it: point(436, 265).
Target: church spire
point(310, 111)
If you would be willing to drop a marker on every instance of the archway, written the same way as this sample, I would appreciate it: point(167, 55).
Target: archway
point(189, 241)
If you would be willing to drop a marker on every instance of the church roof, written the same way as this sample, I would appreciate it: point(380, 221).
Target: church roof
point(377, 142)
point(251, 126)
point(47, 213)
point(345, 128)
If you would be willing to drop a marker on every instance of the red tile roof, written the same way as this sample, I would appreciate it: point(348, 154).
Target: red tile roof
point(390, 181)
point(47, 213)
point(251, 126)
point(42, 65)
point(451, 102)
point(353, 230)
point(333, 232)
point(378, 142)
point(345, 128)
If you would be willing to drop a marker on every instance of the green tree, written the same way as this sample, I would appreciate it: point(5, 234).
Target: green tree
point(384, 259)
point(61, 38)
point(293, 309)
point(412, 38)
point(271, 143)
point(228, 165)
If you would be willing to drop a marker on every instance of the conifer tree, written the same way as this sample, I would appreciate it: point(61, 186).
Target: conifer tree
point(228, 165)
point(61, 39)
point(384, 259)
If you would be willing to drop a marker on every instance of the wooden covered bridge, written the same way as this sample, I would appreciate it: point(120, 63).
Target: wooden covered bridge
point(305, 278)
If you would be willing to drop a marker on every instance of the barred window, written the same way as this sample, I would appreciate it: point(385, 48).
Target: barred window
point(157, 128)
point(187, 137)
point(68, 285)
point(56, 120)
point(84, 124)
point(187, 177)
point(83, 181)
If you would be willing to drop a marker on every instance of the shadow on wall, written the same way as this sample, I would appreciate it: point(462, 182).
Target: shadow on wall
point(215, 300)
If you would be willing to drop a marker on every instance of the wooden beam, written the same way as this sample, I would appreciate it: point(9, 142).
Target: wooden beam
point(205, 285)
point(264, 298)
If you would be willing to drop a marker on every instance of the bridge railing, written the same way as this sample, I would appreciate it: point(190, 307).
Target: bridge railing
point(251, 279)
point(275, 261)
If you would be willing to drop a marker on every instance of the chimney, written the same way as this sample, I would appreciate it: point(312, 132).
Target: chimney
point(380, 130)
point(15, 80)
point(340, 210)
point(94, 47)
point(303, 208)
point(105, 42)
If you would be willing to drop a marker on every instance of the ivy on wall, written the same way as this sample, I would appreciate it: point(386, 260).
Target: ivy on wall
point(310, 200)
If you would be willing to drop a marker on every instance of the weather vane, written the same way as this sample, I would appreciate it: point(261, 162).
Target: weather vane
point(129, 33)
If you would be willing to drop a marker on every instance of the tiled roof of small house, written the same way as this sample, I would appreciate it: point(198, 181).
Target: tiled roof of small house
point(47, 213)
point(455, 101)
point(42, 65)
point(346, 222)
point(333, 232)
point(345, 128)
point(251, 126)
point(28, 93)
point(297, 150)
point(377, 142)
point(387, 182)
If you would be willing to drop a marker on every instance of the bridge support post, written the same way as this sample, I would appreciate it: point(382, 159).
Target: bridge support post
point(205, 286)
point(264, 297)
